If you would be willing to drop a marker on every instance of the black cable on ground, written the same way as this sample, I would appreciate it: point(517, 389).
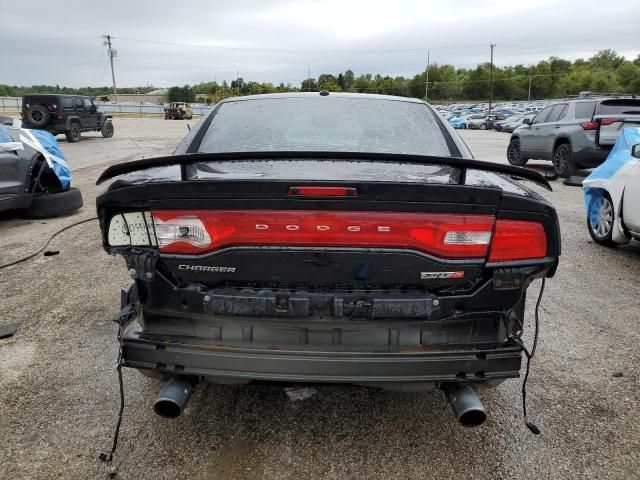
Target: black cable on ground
point(127, 312)
point(529, 354)
point(108, 457)
point(31, 255)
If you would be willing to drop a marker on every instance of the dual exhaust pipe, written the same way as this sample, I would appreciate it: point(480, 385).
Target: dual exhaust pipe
point(173, 397)
point(465, 404)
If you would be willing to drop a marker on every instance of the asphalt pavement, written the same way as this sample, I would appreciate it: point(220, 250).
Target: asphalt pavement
point(59, 390)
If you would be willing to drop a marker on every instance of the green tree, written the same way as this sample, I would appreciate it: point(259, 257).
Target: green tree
point(607, 59)
point(181, 94)
point(629, 77)
point(309, 84)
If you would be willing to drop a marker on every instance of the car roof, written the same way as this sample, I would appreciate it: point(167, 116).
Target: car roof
point(369, 96)
point(53, 95)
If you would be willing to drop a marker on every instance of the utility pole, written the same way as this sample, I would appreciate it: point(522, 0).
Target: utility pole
point(491, 77)
point(112, 53)
point(238, 82)
point(426, 85)
point(529, 97)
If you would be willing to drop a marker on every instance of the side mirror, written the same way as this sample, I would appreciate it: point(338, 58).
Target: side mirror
point(635, 151)
point(526, 121)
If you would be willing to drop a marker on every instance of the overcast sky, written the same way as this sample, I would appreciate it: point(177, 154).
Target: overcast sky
point(45, 42)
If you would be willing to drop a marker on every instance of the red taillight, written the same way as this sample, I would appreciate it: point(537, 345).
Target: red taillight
point(518, 240)
point(444, 235)
point(610, 121)
point(314, 191)
point(589, 125)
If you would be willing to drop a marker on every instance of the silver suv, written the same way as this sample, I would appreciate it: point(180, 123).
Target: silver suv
point(575, 133)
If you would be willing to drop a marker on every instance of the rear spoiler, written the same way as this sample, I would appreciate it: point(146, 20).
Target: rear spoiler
point(190, 159)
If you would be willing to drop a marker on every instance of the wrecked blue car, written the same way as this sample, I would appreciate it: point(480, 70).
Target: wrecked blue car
point(35, 178)
point(612, 193)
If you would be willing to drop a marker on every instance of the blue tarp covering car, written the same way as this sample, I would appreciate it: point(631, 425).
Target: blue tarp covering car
point(34, 175)
point(607, 183)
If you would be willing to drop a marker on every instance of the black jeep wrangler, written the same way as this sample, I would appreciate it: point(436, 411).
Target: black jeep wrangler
point(68, 114)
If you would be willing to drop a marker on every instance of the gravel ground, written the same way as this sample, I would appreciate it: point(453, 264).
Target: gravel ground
point(59, 391)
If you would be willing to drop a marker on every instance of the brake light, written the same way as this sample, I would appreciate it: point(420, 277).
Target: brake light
point(589, 125)
point(610, 121)
point(444, 235)
point(314, 191)
point(518, 240)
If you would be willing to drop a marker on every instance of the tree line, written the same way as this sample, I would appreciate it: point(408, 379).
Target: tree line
point(15, 91)
point(555, 77)
point(606, 71)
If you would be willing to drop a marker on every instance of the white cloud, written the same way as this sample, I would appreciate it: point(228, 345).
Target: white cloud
point(525, 32)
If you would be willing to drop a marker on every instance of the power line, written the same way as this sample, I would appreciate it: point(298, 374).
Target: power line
point(54, 39)
point(292, 50)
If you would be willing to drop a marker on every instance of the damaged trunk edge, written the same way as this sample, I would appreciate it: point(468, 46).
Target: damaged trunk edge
point(378, 314)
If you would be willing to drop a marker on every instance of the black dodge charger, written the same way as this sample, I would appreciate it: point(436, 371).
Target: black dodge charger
point(329, 239)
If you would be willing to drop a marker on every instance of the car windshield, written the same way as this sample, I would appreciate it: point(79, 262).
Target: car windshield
point(325, 123)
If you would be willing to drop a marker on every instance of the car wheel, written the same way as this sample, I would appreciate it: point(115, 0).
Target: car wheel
point(73, 134)
point(463, 126)
point(38, 115)
point(562, 161)
point(107, 129)
point(55, 204)
point(514, 155)
point(601, 229)
point(483, 126)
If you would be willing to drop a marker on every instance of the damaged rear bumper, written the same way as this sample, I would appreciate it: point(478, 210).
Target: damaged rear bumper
point(240, 364)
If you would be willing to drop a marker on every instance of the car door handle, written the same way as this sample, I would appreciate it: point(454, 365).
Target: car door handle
point(557, 126)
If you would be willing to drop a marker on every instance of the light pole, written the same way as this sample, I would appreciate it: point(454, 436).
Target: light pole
point(426, 85)
point(491, 77)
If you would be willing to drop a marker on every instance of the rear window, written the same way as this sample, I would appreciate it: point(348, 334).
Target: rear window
point(619, 106)
point(585, 109)
point(40, 100)
point(330, 123)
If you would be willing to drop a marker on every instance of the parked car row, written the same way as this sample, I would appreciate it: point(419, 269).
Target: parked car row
point(478, 116)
